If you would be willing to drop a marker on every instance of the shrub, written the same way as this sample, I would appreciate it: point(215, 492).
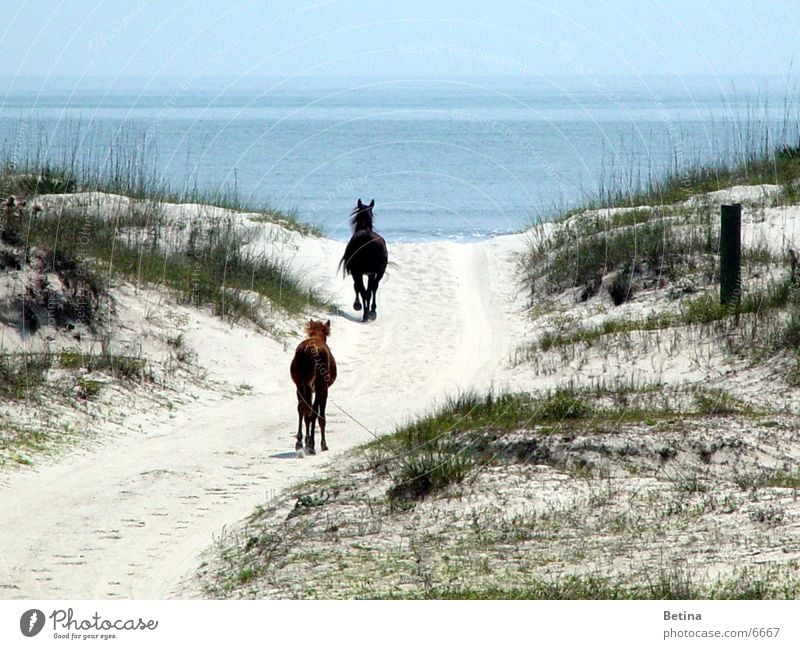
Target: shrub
point(620, 288)
point(22, 374)
point(430, 469)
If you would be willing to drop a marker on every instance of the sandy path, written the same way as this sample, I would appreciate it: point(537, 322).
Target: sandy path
point(130, 518)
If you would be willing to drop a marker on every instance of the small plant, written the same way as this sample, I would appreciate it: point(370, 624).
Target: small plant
point(672, 583)
point(430, 470)
point(769, 515)
point(246, 574)
point(547, 340)
point(22, 374)
point(620, 288)
point(713, 401)
point(767, 478)
point(128, 367)
point(666, 453)
point(690, 484)
point(48, 181)
point(183, 353)
point(306, 502)
point(562, 404)
point(88, 388)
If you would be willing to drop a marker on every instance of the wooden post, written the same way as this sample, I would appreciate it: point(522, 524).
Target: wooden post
point(730, 255)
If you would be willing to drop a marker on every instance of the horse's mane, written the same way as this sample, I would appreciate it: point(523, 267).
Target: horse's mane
point(361, 218)
point(363, 235)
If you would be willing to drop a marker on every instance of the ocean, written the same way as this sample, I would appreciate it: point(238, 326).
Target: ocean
point(442, 158)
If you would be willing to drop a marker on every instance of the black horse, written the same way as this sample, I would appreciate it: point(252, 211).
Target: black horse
point(365, 254)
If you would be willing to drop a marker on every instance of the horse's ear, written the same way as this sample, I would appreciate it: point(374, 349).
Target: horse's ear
point(360, 204)
point(328, 328)
point(372, 203)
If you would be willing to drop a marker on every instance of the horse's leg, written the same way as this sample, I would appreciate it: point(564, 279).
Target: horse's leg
point(364, 293)
point(299, 443)
point(311, 417)
point(373, 293)
point(358, 287)
point(303, 409)
point(368, 295)
point(310, 433)
point(321, 402)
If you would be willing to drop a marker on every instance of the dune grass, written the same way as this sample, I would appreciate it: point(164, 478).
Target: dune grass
point(346, 534)
point(658, 232)
point(208, 266)
point(780, 295)
point(666, 584)
point(126, 165)
point(22, 374)
point(645, 235)
point(205, 264)
point(757, 153)
point(445, 447)
point(467, 432)
point(586, 248)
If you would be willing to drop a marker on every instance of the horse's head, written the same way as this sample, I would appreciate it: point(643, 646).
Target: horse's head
point(361, 216)
point(318, 329)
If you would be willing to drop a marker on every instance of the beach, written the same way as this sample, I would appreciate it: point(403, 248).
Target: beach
point(128, 515)
point(677, 448)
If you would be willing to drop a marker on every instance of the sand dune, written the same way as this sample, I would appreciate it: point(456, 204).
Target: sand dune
point(130, 515)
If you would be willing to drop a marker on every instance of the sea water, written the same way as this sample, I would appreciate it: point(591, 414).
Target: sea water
point(442, 158)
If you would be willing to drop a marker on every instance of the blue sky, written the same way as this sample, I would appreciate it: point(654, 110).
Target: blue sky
point(389, 39)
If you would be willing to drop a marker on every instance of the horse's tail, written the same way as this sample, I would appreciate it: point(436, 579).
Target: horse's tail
point(350, 252)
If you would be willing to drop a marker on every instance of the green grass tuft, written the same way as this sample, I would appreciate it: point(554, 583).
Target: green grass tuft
point(208, 265)
point(22, 374)
point(447, 446)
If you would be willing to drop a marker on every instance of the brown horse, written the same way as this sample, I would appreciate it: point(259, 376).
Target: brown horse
point(313, 370)
point(365, 254)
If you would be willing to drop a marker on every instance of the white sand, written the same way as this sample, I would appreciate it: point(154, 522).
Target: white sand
point(129, 516)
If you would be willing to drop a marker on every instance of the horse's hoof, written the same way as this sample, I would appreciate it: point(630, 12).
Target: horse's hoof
point(357, 306)
point(310, 451)
point(300, 454)
point(373, 314)
point(324, 447)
